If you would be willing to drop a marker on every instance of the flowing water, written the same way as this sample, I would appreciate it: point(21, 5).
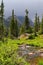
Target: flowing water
point(30, 53)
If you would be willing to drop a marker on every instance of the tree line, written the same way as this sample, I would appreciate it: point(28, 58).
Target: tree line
point(14, 30)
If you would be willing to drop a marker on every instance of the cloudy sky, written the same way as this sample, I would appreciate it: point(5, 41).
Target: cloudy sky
point(19, 7)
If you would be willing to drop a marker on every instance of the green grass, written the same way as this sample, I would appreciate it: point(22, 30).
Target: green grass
point(9, 46)
point(9, 55)
point(40, 62)
point(38, 41)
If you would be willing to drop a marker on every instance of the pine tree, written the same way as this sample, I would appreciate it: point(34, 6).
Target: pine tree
point(38, 19)
point(41, 26)
point(2, 20)
point(13, 26)
point(17, 29)
point(27, 23)
point(36, 25)
point(22, 29)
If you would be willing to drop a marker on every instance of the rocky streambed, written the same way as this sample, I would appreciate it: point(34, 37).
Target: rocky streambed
point(30, 53)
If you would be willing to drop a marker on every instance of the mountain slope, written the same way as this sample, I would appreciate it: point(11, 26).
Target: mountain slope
point(20, 20)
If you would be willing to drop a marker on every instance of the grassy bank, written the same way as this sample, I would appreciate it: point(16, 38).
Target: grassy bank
point(38, 41)
point(8, 54)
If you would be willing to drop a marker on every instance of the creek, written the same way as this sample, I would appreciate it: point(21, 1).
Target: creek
point(31, 54)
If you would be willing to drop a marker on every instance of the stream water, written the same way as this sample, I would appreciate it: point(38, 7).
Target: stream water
point(30, 53)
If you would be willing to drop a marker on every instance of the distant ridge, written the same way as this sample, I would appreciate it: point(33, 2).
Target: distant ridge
point(20, 20)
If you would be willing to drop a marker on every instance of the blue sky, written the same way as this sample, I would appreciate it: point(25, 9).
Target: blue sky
point(19, 7)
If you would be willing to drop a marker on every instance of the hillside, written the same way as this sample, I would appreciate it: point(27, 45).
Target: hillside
point(20, 20)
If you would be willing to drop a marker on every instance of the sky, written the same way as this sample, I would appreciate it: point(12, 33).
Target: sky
point(19, 7)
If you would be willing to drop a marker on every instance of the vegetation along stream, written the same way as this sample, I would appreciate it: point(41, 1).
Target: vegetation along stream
point(30, 53)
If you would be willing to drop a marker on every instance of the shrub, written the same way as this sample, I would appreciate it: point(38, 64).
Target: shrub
point(30, 30)
point(31, 37)
point(31, 44)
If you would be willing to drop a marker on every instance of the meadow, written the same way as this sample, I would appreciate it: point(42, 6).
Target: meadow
point(38, 41)
point(8, 50)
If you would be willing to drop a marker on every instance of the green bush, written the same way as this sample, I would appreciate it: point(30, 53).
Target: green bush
point(30, 30)
point(9, 55)
point(31, 37)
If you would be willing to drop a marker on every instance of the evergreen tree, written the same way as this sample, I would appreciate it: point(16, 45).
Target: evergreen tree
point(27, 23)
point(42, 25)
point(36, 25)
point(22, 29)
point(2, 20)
point(16, 27)
point(38, 19)
point(13, 26)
